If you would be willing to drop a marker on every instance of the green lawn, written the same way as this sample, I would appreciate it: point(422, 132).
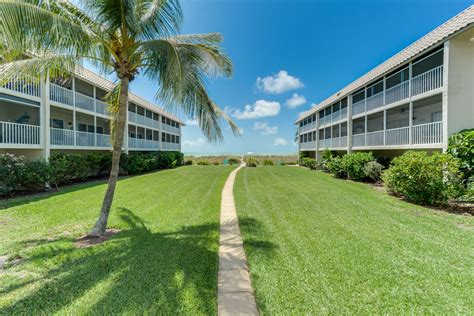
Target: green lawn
point(320, 245)
point(164, 260)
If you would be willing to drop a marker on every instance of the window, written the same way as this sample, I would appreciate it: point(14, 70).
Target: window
point(397, 78)
point(321, 114)
point(335, 131)
point(168, 138)
point(163, 137)
point(358, 96)
point(90, 128)
point(99, 130)
point(55, 123)
point(344, 103)
point(156, 117)
point(82, 127)
point(358, 126)
point(343, 129)
point(321, 134)
point(177, 139)
point(398, 117)
point(301, 138)
point(375, 89)
point(427, 64)
point(163, 119)
point(327, 132)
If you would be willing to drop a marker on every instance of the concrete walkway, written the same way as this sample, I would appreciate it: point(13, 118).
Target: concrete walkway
point(234, 290)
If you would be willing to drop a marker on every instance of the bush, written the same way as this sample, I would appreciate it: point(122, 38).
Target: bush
point(424, 179)
point(251, 163)
point(335, 166)
point(11, 168)
point(268, 162)
point(350, 166)
point(373, 170)
point(233, 161)
point(216, 163)
point(309, 163)
point(461, 146)
point(36, 175)
point(203, 162)
point(188, 162)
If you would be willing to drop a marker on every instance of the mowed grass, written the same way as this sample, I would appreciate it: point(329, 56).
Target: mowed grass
point(163, 261)
point(320, 245)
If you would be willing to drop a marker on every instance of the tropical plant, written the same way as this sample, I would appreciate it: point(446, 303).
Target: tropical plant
point(125, 38)
point(461, 146)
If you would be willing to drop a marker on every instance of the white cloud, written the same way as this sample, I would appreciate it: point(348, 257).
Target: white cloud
point(279, 83)
point(189, 122)
point(261, 108)
point(280, 142)
point(193, 143)
point(295, 101)
point(264, 128)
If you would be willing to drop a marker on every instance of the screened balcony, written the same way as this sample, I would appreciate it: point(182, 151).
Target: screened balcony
point(19, 123)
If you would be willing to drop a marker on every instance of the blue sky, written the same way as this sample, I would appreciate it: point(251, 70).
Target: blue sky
point(301, 50)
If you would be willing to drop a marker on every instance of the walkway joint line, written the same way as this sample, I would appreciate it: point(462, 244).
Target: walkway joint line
point(234, 290)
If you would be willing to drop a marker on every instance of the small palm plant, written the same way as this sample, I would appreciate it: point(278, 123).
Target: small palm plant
point(121, 37)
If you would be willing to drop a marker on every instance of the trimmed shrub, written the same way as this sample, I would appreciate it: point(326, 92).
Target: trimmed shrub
point(309, 163)
point(251, 163)
point(373, 170)
point(11, 168)
point(351, 166)
point(216, 163)
point(35, 175)
point(422, 178)
point(233, 161)
point(268, 162)
point(203, 162)
point(335, 166)
point(188, 163)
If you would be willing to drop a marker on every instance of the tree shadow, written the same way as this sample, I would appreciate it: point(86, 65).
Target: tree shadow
point(136, 271)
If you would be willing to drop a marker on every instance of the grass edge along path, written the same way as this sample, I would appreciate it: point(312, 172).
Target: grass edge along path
point(320, 245)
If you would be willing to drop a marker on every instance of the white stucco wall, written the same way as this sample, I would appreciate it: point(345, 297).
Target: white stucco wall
point(461, 82)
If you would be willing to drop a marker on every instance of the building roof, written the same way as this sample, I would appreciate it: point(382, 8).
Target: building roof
point(460, 22)
point(103, 83)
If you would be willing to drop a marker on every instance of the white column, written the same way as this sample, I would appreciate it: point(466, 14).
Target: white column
point(444, 101)
point(409, 79)
point(349, 124)
point(365, 131)
point(95, 130)
point(45, 116)
point(410, 123)
point(74, 110)
point(384, 125)
point(160, 120)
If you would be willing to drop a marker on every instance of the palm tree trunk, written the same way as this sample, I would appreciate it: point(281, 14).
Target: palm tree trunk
point(101, 224)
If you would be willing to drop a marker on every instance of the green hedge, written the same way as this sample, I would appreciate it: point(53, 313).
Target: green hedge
point(423, 178)
point(352, 166)
point(17, 174)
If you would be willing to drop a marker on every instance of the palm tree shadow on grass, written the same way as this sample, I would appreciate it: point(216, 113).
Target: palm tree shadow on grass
point(135, 271)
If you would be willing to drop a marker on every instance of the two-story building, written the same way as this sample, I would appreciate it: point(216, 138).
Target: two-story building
point(414, 100)
point(39, 117)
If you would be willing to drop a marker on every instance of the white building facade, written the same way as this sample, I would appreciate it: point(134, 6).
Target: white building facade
point(414, 100)
point(41, 117)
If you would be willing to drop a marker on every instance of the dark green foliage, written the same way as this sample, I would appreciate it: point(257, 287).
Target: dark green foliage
point(233, 161)
point(18, 174)
point(424, 178)
point(268, 162)
point(461, 146)
point(251, 163)
point(188, 163)
point(373, 170)
point(350, 166)
point(309, 163)
point(203, 162)
point(216, 163)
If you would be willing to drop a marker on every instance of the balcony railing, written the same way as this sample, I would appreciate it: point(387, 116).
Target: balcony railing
point(170, 146)
point(358, 140)
point(139, 143)
point(24, 84)
point(397, 136)
point(427, 81)
point(431, 133)
point(84, 102)
point(85, 139)
point(170, 129)
point(103, 140)
point(358, 107)
point(324, 143)
point(101, 107)
point(374, 101)
point(308, 146)
point(19, 134)
point(374, 138)
point(143, 120)
point(343, 113)
point(397, 93)
point(306, 127)
point(61, 95)
point(61, 137)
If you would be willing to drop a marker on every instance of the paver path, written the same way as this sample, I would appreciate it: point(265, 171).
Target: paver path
point(234, 290)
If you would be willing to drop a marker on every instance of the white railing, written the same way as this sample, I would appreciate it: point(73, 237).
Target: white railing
point(374, 101)
point(143, 120)
point(84, 102)
point(335, 116)
point(322, 121)
point(61, 95)
point(22, 134)
point(343, 141)
point(103, 140)
point(61, 137)
point(305, 128)
point(170, 129)
point(101, 107)
point(358, 140)
point(335, 142)
point(308, 146)
point(170, 146)
point(24, 84)
point(85, 139)
point(430, 133)
point(358, 107)
point(324, 143)
point(427, 81)
point(374, 138)
point(343, 113)
point(397, 136)
point(397, 93)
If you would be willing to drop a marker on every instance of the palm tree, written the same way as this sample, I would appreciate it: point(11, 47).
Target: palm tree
point(123, 37)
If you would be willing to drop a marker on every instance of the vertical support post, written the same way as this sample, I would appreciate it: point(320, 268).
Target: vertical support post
point(160, 134)
point(317, 136)
point(74, 110)
point(409, 79)
point(45, 116)
point(74, 125)
point(349, 124)
point(384, 125)
point(365, 130)
point(384, 88)
point(95, 130)
point(445, 113)
point(410, 123)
